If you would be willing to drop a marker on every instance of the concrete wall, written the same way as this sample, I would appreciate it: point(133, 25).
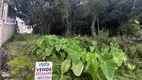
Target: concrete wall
point(7, 26)
point(6, 32)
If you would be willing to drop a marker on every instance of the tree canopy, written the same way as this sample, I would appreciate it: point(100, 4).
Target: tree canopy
point(84, 17)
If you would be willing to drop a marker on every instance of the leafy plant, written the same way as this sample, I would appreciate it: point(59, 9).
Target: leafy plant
point(79, 60)
point(131, 28)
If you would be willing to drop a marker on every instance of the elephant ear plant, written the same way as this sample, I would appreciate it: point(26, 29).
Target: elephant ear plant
point(99, 62)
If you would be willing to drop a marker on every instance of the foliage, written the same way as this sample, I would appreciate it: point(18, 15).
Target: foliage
point(132, 28)
point(21, 68)
point(96, 61)
point(25, 37)
point(131, 46)
point(64, 65)
point(82, 58)
point(60, 16)
point(126, 74)
point(103, 36)
point(21, 63)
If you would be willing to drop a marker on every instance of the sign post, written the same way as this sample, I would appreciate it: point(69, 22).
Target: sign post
point(43, 71)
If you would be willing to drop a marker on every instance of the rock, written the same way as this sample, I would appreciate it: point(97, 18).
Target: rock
point(5, 75)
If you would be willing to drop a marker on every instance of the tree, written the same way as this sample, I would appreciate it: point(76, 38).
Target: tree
point(94, 8)
point(76, 16)
point(36, 12)
point(63, 7)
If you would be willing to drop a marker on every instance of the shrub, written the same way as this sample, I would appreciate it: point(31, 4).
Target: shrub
point(77, 58)
point(22, 68)
point(98, 62)
point(133, 48)
point(131, 28)
point(21, 63)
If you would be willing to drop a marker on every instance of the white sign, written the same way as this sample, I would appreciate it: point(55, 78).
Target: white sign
point(43, 71)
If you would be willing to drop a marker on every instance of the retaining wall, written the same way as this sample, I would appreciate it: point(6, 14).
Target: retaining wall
point(6, 32)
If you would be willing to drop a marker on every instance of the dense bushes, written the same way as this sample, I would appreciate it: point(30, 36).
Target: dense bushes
point(133, 47)
point(77, 58)
point(68, 54)
point(131, 28)
point(98, 62)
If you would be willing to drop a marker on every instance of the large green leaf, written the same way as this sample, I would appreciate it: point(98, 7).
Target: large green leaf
point(55, 77)
point(39, 42)
point(130, 66)
point(58, 47)
point(76, 56)
point(105, 49)
point(83, 56)
point(114, 45)
point(75, 51)
point(92, 65)
point(63, 77)
point(65, 65)
point(119, 57)
point(92, 48)
point(108, 67)
point(94, 43)
point(62, 55)
point(48, 51)
point(77, 68)
point(38, 51)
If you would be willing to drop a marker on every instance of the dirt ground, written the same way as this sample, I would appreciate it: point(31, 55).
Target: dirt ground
point(4, 72)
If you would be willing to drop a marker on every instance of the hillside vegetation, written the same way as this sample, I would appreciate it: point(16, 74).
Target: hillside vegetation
point(76, 58)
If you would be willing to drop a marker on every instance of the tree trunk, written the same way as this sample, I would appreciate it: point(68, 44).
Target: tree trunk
point(133, 7)
point(98, 24)
point(105, 27)
point(79, 30)
point(94, 35)
point(68, 29)
point(48, 28)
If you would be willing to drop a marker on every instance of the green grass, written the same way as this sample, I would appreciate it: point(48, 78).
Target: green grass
point(21, 37)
